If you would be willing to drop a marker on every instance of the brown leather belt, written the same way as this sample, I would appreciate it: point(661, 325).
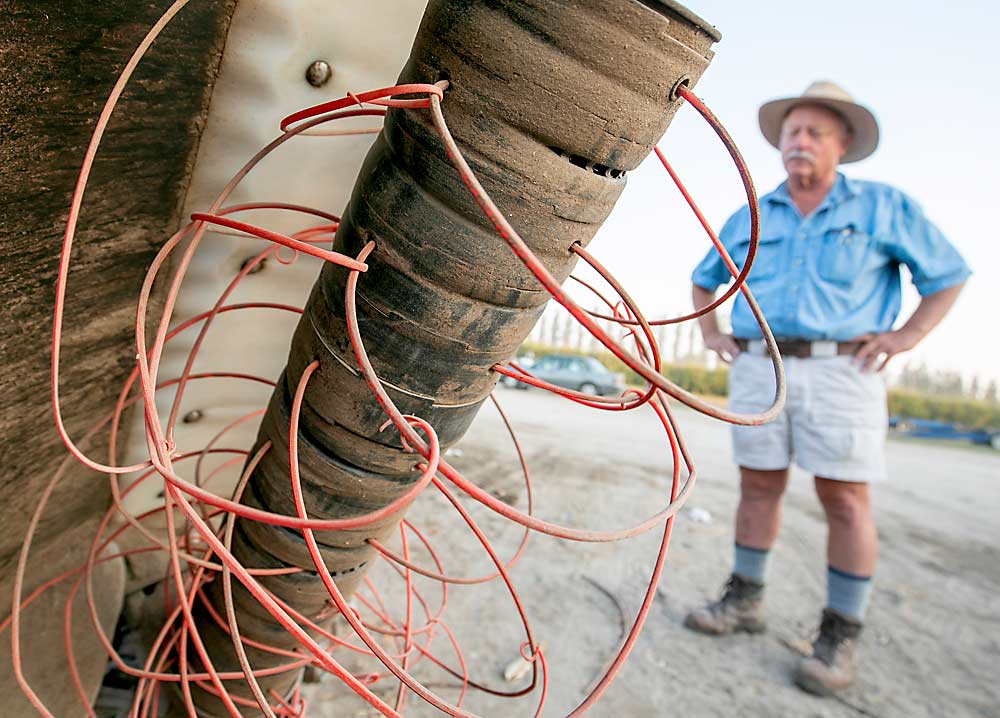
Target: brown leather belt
point(803, 348)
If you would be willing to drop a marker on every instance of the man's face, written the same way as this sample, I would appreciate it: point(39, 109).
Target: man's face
point(813, 139)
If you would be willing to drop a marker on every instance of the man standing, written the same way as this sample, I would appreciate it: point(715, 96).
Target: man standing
point(827, 277)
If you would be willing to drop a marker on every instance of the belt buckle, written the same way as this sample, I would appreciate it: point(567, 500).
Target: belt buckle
point(823, 349)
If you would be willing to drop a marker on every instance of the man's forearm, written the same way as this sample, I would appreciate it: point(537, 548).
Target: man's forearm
point(722, 344)
point(708, 323)
point(928, 314)
point(931, 310)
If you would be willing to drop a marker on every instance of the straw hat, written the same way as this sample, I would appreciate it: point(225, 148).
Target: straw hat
point(864, 127)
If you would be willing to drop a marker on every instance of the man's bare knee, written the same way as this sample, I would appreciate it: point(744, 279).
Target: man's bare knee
point(844, 502)
point(757, 485)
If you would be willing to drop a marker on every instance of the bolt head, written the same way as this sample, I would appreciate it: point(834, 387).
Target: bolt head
point(319, 73)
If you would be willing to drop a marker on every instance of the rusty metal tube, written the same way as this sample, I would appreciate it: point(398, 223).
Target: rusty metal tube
point(553, 103)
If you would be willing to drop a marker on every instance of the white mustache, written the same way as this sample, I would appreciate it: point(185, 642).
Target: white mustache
point(802, 155)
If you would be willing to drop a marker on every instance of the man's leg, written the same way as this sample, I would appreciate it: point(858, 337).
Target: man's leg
point(852, 546)
point(751, 389)
point(758, 517)
point(852, 542)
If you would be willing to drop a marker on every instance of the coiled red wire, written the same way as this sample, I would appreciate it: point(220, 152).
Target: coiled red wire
point(198, 552)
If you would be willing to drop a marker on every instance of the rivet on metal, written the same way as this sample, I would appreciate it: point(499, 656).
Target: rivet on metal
point(319, 73)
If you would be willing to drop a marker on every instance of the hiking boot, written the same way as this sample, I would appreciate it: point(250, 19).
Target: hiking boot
point(740, 608)
point(833, 663)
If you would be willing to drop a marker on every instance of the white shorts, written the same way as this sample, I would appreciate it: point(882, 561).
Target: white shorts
point(833, 425)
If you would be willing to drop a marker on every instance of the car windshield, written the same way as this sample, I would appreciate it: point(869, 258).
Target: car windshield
point(573, 364)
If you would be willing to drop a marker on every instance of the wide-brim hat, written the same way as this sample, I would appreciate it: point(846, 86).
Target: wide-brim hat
point(861, 120)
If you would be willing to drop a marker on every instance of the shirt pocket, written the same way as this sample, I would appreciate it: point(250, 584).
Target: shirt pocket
point(767, 260)
point(842, 254)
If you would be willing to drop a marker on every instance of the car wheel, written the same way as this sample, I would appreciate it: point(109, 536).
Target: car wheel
point(588, 388)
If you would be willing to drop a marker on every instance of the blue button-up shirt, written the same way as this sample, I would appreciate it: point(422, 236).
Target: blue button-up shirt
point(835, 274)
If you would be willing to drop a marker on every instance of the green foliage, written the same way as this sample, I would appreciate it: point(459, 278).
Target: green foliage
point(699, 379)
point(973, 413)
point(541, 350)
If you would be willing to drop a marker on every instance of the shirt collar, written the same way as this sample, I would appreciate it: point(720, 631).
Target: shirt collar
point(842, 189)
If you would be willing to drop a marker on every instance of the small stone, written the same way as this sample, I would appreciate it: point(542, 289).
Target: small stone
point(699, 515)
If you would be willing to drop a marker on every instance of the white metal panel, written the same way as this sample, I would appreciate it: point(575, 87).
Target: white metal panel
point(270, 45)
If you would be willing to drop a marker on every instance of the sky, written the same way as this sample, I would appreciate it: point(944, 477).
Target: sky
point(930, 75)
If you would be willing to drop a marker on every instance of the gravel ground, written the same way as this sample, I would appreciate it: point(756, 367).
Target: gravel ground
point(932, 640)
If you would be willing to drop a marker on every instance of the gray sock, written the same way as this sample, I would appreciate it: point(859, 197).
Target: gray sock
point(847, 594)
point(750, 562)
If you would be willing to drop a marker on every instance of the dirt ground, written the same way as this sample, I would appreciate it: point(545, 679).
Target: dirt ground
point(932, 641)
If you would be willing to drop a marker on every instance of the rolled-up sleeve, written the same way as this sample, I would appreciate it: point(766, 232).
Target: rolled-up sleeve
point(711, 271)
point(916, 242)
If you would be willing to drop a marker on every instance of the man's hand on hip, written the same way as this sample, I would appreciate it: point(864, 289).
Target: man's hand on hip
point(885, 344)
point(724, 345)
